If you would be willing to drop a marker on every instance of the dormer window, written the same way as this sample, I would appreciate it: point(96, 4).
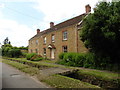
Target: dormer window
point(44, 40)
point(65, 35)
point(53, 38)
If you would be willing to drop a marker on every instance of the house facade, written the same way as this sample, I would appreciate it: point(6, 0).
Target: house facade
point(63, 37)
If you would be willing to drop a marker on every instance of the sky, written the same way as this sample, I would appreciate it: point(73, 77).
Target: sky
point(19, 19)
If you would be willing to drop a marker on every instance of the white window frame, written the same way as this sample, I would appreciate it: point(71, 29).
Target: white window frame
point(45, 40)
point(65, 35)
point(53, 38)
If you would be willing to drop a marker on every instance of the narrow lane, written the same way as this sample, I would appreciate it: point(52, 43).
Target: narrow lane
point(13, 78)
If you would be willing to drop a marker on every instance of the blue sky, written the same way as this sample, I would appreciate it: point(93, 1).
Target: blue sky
point(19, 19)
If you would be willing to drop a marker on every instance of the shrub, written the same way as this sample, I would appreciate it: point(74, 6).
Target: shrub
point(72, 59)
point(61, 55)
point(89, 60)
point(36, 58)
point(30, 55)
point(14, 53)
point(24, 54)
point(79, 59)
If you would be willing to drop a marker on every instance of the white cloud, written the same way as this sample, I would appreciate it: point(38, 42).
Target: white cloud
point(2, 5)
point(18, 34)
point(58, 10)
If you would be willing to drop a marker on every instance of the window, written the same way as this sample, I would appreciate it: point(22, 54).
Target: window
point(36, 50)
point(64, 48)
point(44, 40)
point(53, 38)
point(65, 35)
point(44, 51)
point(36, 42)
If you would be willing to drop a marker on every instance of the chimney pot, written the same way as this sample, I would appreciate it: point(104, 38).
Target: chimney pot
point(51, 24)
point(38, 31)
point(88, 9)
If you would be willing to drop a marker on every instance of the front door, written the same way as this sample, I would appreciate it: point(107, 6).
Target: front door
point(52, 53)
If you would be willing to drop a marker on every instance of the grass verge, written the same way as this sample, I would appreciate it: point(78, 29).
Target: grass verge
point(22, 67)
point(60, 81)
point(56, 81)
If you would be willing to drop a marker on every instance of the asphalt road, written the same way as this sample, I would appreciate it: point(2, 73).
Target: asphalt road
point(13, 78)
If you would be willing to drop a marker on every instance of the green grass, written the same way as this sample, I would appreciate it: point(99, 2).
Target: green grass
point(101, 74)
point(92, 73)
point(22, 67)
point(59, 81)
point(49, 63)
point(43, 63)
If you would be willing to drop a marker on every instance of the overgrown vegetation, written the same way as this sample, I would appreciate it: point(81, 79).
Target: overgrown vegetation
point(101, 33)
point(87, 60)
point(63, 81)
point(15, 52)
point(34, 57)
point(9, 51)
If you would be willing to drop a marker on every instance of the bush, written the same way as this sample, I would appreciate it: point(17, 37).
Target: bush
point(89, 60)
point(14, 53)
point(79, 59)
point(36, 58)
point(24, 54)
point(72, 59)
point(61, 55)
point(30, 55)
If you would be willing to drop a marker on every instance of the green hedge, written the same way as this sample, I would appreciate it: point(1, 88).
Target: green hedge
point(77, 59)
point(73, 59)
point(14, 53)
point(87, 60)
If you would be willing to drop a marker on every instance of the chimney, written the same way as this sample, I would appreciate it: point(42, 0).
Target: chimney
point(88, 9)
point(51, 24)
point(38, 31)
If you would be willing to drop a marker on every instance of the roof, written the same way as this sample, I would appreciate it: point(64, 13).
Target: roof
point(66, 23)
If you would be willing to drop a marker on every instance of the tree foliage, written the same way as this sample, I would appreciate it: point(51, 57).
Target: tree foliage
point(10, 51)
point(6, 41)
point(101, 31)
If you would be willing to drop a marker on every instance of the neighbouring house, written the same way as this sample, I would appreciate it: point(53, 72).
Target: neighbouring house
point(63, 37)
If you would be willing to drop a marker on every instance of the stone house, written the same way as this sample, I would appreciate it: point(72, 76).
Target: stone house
point(63, 37)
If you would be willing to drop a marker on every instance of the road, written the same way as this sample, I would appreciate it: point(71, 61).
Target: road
point(13, 78)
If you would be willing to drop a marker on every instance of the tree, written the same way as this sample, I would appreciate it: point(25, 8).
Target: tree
point(101, 31)
point(6, 41)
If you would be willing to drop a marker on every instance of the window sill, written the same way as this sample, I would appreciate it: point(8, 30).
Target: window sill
point(53, 41)
point(64, 39)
